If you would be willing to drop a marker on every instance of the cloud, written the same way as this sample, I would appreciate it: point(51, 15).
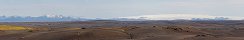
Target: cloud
point(180, 16)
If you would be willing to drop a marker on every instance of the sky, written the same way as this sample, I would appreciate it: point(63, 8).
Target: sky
point(121, 8)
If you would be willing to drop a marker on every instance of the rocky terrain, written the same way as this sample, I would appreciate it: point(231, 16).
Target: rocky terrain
point(123, 30)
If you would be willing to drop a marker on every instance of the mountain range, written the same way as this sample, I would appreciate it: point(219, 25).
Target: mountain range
point(55, 18)
point(185, 17)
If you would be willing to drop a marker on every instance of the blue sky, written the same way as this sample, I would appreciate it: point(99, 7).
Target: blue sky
point(120, 8)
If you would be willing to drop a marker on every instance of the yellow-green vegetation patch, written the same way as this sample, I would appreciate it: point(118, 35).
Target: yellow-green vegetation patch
point(72, 28)
point(10, 27)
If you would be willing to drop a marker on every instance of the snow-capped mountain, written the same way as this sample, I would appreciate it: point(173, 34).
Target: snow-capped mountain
point(53, 18)
point(184, 17)
point(216, 18)
point(44, 18)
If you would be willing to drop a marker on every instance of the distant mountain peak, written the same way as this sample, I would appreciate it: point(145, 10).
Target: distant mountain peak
point(54, 16)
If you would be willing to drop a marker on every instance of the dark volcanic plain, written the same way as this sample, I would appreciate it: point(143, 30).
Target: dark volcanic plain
point(126, 30)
